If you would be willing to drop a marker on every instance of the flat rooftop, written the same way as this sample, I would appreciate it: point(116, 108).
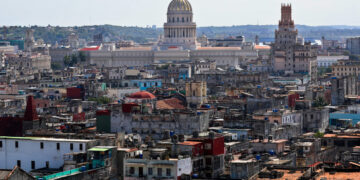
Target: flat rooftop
point(339, 176)
point(44, 139)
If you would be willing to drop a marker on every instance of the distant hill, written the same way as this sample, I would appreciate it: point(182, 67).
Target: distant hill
point(51, 34)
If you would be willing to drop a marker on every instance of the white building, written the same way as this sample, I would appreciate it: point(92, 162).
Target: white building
point(328, 61)
point(157, 169)
point(178, 45)
point(31, 153)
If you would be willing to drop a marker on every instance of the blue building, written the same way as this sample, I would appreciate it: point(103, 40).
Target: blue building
point(144, 84)
point(341, 119)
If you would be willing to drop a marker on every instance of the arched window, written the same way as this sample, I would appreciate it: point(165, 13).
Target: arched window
point(173, 19)
point(183, 19)
point(183, 33)
point(178, 19)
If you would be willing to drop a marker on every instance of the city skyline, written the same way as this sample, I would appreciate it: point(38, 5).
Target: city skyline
point(246, 12)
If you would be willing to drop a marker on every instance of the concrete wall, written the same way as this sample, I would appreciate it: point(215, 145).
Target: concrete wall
point(29, 150)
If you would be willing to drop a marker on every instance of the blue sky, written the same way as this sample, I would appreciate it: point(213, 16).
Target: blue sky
point(153, 12)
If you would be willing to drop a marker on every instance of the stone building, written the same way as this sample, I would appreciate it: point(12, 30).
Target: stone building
point(28, 62)
point(353, 45)
point(289, 55)
point(29, 40)
point(178, 45)
point(346, 68)
point(180, 29)
point(196, 93)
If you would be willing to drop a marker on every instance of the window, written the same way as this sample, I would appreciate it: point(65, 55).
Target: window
point(208, 161)
point(150, 171)
point(58, 146)
point(80, 147)
point(168, 172)
point(159, 172)
point(18, 163)
point(71, 146)
point(32, 164)
point(41, 145)
point(16, 144)
point(132, 170)
point(0, 144)
point(47, 164)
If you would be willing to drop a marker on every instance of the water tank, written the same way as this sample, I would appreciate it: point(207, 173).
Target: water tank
point(83, 168)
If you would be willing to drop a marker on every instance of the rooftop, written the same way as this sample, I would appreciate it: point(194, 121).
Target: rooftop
point(44, 139)
point(339, 175)
point(190, 143)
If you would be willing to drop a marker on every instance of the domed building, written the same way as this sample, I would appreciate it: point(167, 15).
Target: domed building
point(178, 45)
point(179, 30)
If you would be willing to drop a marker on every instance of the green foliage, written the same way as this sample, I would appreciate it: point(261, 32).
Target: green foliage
point(319, 135)
point(67, 61)
point(71, 60)
point(100, 100)
point(354, 57)
point(51, 34)
point(55, 66)
point(323, 70)
point(165, 66)
point(74, 59)
point(319, 102)
point(82, 56)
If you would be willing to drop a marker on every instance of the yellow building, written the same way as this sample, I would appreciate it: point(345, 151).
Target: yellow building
point(346, 68)
point(196, 93)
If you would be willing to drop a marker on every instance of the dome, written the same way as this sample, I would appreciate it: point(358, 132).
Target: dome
point(142, 95)
point(180, 6)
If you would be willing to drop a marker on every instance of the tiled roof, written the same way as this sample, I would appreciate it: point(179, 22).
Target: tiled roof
point(172, 103)
point(94, 48)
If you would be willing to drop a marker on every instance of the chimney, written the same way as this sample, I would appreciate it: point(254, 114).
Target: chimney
point(30, 112)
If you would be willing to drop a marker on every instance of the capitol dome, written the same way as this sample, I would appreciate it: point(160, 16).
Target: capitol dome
point(179, 6)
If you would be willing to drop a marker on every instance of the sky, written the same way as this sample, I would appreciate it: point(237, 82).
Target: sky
point(153, 12)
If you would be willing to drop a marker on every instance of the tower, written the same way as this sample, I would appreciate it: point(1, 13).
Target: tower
point(29, 40)
point(286, 34)
point(180, 29)
point(285, 40)
point(31, 118)
point(289, 54)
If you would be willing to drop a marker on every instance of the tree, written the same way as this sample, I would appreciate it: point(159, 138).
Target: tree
point(354, 57)
point(100, 100)
point(319, 102)
point(319, 135)
point(67, 60)
point(74, 59)
point(82, 56)
point(55, 66)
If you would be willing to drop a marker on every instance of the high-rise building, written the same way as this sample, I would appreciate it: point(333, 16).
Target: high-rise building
point(353, 45)
point(289, 55)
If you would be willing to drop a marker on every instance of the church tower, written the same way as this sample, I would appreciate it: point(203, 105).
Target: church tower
point(180, 29)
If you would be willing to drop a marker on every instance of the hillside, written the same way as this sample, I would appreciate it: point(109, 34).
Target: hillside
point(51, 34)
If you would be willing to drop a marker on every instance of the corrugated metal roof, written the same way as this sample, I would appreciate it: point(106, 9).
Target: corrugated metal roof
point(4, 173)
